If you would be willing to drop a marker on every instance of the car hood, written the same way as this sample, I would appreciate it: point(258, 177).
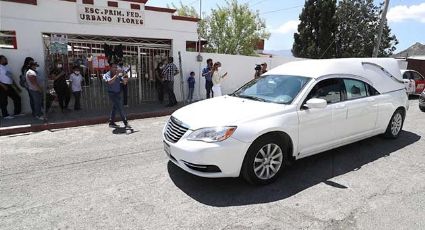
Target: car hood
point(225, 111)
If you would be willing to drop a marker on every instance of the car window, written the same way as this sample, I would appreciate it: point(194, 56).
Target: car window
point(355, 89)
point(329, 89)
point(406, 75)
point(416, 76)
point(281, 89)
point(372, 91)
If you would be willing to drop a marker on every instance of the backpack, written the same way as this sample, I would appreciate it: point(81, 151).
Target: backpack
point(23, 81)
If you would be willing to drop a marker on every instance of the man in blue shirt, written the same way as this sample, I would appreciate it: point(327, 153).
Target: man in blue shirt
point(207, 73)
point(113, 80)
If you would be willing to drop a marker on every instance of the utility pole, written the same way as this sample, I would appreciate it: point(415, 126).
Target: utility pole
point(381, 28)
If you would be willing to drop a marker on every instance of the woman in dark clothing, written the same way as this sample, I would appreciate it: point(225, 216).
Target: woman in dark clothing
point(60, 86)
point(25, 67)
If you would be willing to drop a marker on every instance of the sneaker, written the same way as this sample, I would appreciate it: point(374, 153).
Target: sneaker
point(113, 125)
point(8, 117)
point(40, 118)
point(127, 125)
point(19, 115)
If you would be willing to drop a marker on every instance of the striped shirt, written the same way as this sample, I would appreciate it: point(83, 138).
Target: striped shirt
point(169, 71)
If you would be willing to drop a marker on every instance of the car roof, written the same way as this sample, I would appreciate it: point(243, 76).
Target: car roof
point(383, 73)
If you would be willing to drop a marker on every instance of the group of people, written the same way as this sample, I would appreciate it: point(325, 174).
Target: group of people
point(213, 78)
point(29, 79)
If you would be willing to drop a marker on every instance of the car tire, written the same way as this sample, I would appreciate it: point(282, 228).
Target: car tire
point(395, 125)
point(422, 108)
point(264, 160)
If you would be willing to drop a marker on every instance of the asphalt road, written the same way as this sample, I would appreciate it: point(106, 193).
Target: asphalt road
point(91, 178)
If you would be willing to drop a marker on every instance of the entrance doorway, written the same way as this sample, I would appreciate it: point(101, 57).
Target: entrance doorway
point(140, 56)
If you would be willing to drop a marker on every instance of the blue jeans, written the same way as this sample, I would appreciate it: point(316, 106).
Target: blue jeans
point(190, 96)
point(116, 106)
point(37, 98)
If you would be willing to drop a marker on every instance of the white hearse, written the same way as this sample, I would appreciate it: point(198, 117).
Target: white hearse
point(293, 111)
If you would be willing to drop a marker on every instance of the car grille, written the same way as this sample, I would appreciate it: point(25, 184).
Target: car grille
point(174, 130)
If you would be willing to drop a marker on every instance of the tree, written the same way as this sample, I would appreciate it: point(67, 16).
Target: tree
point(233, 29)
point(316, 31)
point(358, 24)
point(183, 10)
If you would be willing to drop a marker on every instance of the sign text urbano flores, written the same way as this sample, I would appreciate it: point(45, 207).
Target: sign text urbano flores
point(91, 14)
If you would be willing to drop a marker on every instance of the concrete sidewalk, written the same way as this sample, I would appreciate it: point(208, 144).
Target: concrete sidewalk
point(58, 120)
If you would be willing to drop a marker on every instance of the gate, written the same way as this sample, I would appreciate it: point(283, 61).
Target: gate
point(140, 56)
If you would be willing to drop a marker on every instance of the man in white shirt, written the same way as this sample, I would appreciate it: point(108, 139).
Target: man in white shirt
point(7, 90)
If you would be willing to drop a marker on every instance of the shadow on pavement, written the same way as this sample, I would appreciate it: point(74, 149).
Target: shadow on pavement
point(123, 130)
point(304, 174)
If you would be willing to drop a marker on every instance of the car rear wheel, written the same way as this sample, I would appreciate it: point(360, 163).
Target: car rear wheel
point(264, 161)
point(395, 125)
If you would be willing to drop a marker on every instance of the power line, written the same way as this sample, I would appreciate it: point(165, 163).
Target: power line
point(289, 8)
point(261, 1)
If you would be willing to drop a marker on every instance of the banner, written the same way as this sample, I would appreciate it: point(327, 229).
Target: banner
point(58, 44)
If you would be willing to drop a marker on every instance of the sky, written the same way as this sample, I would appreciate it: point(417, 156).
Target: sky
point(406, 18)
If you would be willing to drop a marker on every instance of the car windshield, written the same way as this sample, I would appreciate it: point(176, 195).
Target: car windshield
point(281, 89)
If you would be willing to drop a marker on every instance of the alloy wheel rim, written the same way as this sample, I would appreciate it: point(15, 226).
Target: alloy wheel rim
point(396, 124)
point(268, 161)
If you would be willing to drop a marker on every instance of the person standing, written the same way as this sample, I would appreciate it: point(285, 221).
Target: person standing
point(60, 86)
point(191, 82)
point(217, 79)
point(7, 89)
point(36, 91)
point(23, 81)
point(124, 86)
point(170, 70)
point(113, 79)
point(159, 82)
point(207, 73)
point(76, 79)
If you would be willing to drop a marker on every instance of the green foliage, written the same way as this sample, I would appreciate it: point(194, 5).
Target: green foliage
point(349, 30)
point(358, 24)
point(183, 10)
point(316, 31)
point(233, 29)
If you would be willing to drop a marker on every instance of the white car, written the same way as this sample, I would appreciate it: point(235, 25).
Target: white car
point(293, 111)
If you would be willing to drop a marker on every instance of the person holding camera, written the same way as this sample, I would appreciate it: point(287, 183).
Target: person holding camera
point(260, 70)
point(113, 80)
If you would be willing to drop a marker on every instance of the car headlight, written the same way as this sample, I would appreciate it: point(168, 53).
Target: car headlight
point(213, 134)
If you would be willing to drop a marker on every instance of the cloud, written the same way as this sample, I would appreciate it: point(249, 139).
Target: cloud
point(407, 13)
point(288, 27)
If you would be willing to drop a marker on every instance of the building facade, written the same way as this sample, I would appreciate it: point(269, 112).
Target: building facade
point(86, 32)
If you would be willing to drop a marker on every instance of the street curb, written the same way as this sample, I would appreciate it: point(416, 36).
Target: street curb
point(68, 124)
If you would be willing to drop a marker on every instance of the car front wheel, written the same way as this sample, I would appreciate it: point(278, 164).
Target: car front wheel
point(395, 125)
point(264, 161)
point(422, 108)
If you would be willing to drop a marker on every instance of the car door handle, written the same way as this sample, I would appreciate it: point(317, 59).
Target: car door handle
point(371, 99)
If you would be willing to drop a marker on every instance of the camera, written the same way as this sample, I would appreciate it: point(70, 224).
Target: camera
point(257, 67)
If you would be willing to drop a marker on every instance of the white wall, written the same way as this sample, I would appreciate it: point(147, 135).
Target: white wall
point(240, 70)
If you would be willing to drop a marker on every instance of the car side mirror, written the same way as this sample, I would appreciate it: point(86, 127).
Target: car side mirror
point(316, 103)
